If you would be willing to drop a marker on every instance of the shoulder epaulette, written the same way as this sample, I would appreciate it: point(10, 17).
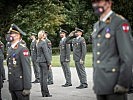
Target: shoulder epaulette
point(22, 45)
point(120, 16)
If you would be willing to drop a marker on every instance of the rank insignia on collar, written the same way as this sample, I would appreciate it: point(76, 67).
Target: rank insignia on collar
point(108, 20)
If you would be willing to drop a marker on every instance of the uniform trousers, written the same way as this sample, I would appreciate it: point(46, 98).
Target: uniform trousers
point(50, 75)
point(43, 78)
point(17, 95)
point(81, 72)
point(36, 69)
point(67, 72)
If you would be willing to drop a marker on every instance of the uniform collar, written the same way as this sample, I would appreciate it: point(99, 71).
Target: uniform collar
point(107, 16)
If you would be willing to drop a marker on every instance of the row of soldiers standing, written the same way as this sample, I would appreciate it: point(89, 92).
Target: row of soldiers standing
point(18, 61)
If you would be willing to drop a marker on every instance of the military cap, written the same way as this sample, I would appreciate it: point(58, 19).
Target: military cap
point(16, 29)
point(64, 31)
point(78, 29)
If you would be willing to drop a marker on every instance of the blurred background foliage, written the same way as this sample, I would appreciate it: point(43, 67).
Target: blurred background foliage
point(50, 15)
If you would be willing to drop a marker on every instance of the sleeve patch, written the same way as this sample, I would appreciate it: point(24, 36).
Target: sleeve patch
point(125, 27)
point(25, 52)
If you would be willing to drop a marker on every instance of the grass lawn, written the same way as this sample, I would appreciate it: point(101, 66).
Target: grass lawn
point(56, 60)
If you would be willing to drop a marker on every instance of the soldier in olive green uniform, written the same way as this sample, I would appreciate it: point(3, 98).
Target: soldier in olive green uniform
point(19, 68)
point(44, 62)
point(65, 57)
point(112, 53)
point(1, 80)
point(2, 59)
point(34, 57)
point(79, 52)
point(50, 73)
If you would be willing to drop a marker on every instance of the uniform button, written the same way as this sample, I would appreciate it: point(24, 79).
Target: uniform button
point(20, 76)
point(98, 53)
point(9, 58)
point(98, 61)
point(10, 73)
point(10, 68)
point(113, 70)
point(98, 44)
point(9, 63)
point(7, 54)
point(99, 36)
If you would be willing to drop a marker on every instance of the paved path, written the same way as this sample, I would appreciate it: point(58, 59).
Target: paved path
point(58, 92)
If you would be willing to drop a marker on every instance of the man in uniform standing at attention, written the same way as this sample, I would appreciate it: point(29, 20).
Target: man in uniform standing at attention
point(79, 52)
point(19, 68)
point(44, 62)
point(65, 58)
point(2, 59)
point(112, 53)
point(50, 73)
point(34, 57)
point(1, 78)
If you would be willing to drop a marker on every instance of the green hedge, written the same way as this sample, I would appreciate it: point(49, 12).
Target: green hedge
point(56, 50)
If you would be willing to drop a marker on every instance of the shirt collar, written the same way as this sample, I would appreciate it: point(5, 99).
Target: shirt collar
point(33, 40)
point(78, 37)
point(63, 38)
point(107, 16)
point(14, 44)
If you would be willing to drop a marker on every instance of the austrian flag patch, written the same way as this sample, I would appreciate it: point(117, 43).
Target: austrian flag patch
point(125, 27)
point(25, 52)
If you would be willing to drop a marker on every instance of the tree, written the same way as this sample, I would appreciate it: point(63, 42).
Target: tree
point(41, 14)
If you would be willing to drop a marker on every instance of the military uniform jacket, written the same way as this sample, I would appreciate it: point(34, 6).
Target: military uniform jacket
point(33, 50)
point(79, 49)
point(112, 54)
point(49, 44)
point(1, 50)
point(64, 51)
point(43, 55)
point(1, 79)
point(19, 69)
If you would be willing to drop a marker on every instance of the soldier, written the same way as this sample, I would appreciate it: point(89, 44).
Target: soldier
point(19, 68)
point(79, 52)
point(50, 73)
point(2, 59)
point(34, 57)
point(1, 81)
point(112, 53)
point(65, 57)
point(44, 62)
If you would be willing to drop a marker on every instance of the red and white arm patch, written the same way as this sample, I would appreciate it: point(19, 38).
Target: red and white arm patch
point(25, 52)
point(125, 27)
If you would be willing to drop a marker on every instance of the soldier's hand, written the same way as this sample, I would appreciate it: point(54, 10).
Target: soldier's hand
point(81, 61)
point(72, 33)
point(120, 89)
point(26, 92)
point(49, 66)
